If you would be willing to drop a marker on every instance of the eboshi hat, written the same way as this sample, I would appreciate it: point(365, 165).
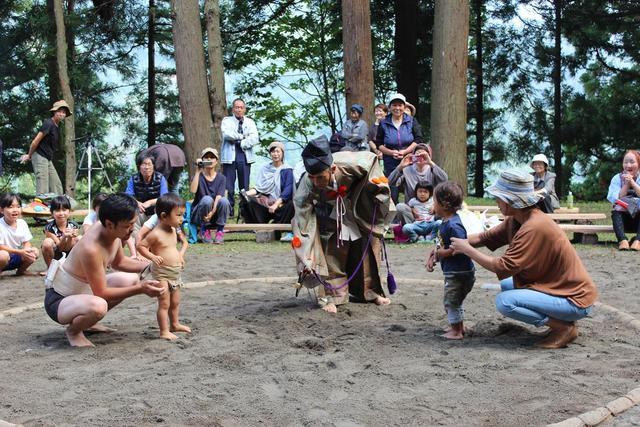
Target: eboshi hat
point(515, 188)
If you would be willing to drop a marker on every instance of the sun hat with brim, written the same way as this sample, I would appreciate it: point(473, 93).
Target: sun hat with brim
point(398, 97)
point(276, 144)
point(210, 150)
point(61, 104)
point(515, 188)
point(539, 158)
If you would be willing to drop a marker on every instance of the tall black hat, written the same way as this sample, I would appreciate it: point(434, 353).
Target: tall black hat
point(317, 155)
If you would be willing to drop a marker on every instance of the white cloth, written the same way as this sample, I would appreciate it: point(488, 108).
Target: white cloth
point(152, 222)
point(14, 237)
point(91, 218)
point(268, 180)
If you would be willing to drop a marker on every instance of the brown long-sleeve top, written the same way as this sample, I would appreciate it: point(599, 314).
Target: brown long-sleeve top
point(540, 257)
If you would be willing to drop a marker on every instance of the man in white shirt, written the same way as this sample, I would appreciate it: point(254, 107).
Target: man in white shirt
point(239, 137)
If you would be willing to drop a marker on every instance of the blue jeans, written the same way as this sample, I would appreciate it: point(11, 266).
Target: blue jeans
point(534, 307)
point(420, 228)
point(204, 206)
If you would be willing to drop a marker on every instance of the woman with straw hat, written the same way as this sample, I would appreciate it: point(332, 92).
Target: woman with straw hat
point(41, 151)
point(549, 285)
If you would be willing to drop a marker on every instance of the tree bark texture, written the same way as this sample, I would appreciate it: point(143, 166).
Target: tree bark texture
point(449, 88)
point(192, 80)
point(358, 56)
point(69, 124)
point(406, 50)
point(479, 166)
point(217, 94)
point(53, 81)
point(151, 76)
point(557, 100)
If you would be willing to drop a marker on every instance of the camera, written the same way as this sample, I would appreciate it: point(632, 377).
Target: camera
point(203, 163)
point(416, 157)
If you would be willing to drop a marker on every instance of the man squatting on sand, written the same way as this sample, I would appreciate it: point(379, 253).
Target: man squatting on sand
point(78, 291)
point(543, 280)
point(334, 210)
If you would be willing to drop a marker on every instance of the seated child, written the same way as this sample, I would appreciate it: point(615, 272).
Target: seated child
point(16, 252)
point(60, 233)
point(92, 218)
point(459, 272)
point(422, 208)
point(159, 245)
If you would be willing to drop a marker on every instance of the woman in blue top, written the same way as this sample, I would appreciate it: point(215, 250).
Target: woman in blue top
point(271, 199)
point(398, 134)
point(626, 184)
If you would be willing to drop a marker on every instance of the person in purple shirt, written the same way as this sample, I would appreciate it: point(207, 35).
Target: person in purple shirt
point(210, 209)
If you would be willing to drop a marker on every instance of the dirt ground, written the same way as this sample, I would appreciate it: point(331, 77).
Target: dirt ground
point(260, 356)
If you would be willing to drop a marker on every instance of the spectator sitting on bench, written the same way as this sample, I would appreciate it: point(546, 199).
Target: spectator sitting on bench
point(626, 186)
point(210, 209)
point(271, 199)
point(544, 183)
point(412, 169)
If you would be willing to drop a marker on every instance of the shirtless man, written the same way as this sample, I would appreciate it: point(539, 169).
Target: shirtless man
point(79, 292)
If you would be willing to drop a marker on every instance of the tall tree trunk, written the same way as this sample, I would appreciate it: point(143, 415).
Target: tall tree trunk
point(406, 50)
point(151, 76)
point(217, 94)
point(52, 64)
point(69, 124)
point(557, 99)
point(449, 88)
point(479, 166)
point(192, 80)
point(358, 57)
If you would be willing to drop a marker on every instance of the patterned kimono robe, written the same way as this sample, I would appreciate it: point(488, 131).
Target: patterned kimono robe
point(335, 253)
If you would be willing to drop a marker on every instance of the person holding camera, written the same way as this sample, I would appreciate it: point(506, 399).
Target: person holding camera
point(239, 137)
point(210, 209)
point(414, 168)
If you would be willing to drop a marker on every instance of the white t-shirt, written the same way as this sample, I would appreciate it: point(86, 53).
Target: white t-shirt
point(151, 222)
point(90, 219)
point(423, 209)
point(14, 237)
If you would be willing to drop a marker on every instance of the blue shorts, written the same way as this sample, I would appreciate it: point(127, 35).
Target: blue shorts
point(15, 261)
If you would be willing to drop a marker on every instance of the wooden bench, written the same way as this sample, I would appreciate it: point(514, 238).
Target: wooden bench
point(586, 233)
point(495, 209)
point(29, 212)
point(265, 233)
point(573, 217)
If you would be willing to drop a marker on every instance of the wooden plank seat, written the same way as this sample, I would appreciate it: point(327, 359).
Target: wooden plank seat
point(257, 227)
point(46, 214)
point(586, 233)
point(573, 217)
point(495, 209)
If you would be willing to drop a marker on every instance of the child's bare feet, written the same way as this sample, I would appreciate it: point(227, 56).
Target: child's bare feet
point(382, 301)
point(330, 308)
point(453, 335)
point(449, 329)
point(166, 335)
point(78, 340)
point(180, 328)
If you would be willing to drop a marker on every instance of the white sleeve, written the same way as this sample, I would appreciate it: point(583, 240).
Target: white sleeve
point(90, 219)
point(24, 231)
point(250, 135)
point(151, 222)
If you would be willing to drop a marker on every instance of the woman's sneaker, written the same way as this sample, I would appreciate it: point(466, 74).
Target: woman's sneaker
point(219, 238)
point(206, 236)
point(287, 237)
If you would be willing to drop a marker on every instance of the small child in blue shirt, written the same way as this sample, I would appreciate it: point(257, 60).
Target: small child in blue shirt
point(459, 272)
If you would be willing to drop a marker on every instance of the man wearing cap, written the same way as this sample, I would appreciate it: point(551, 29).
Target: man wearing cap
point(169, 160)
point(239, 136)
point(543, 281)
point(544, 182)
point(398, 135)
point(414, 168)
point(41, 151)
point(355, 130)
point(341, 206)
point(210, 209)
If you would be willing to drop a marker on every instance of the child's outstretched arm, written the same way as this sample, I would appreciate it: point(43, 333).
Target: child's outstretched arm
point(431, 261)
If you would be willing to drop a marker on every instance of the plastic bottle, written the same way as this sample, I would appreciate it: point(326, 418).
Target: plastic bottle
point(570, 200)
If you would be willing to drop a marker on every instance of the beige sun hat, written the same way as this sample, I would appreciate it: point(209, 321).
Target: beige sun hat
point(275, 144)
point(539, 158)
point(61, 104)
point(515, 188)
point(210, 150)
